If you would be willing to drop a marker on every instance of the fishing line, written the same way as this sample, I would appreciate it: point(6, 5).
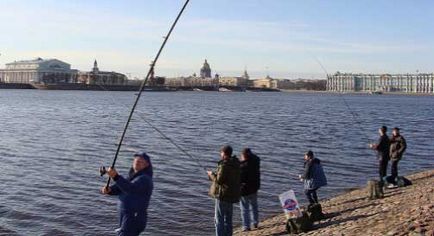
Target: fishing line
point(150, 71)
point(354, 115)
point(159, 131)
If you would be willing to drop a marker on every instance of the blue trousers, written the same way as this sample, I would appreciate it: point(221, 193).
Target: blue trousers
point(131, 223)
point(249, 210)
point(223, 218)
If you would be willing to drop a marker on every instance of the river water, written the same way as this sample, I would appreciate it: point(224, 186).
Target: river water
point(53, 142)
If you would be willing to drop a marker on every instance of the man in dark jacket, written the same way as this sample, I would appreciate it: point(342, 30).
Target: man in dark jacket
point(225, 188)
point(382, 148)
point(313, 177)
point(397, 148)
point(250, 183)
point(134, 194)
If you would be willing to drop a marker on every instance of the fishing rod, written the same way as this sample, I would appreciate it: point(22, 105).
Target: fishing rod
point(142, 86)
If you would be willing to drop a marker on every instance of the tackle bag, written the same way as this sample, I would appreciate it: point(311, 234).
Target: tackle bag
point(401, 181)
point(314, 212)
point(299, 225)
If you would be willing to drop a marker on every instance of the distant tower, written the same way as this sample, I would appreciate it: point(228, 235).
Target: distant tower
point(245, 75)
point(205, 71)
point(95, 67)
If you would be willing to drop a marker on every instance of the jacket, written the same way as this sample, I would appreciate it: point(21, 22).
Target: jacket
point(226, 181)
point(250, 175)
point(314, 176)
point(382, 148)
point(134, 194)
point(397, 147)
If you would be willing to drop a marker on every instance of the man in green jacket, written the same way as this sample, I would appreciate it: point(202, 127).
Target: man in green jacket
point(225, 188)
point(397, 148)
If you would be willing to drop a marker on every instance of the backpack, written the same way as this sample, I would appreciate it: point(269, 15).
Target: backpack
point(314, 212)
point(401, 181)
point(299, 225)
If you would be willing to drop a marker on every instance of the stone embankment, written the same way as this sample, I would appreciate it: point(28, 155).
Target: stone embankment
point(403, 211)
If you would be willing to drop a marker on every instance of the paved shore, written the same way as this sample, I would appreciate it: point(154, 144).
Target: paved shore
point(402, 211)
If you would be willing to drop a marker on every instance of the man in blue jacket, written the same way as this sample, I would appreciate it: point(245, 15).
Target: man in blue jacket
point(134, 194)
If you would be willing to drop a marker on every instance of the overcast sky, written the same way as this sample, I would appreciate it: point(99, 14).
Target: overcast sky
point(284, 38)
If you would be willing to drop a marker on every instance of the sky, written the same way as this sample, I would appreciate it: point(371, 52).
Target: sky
point(281, 38)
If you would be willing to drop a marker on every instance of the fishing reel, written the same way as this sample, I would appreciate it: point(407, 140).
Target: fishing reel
point(102, 170)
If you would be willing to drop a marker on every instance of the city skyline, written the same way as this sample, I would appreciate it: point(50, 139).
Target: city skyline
point(286, 39)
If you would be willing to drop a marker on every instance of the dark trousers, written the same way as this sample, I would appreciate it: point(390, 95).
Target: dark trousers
point(394, 169)
point(382, 170)
point(132, 224)
point(311, 195)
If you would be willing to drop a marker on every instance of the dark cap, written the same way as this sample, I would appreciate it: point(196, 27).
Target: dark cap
point(143, 155)
point(384, 128)
point(309, 154)
point(246, 151)
point(227, 150)
point(396, 128)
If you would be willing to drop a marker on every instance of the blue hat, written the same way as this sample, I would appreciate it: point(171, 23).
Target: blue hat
point(148, 171)
point(143, 155)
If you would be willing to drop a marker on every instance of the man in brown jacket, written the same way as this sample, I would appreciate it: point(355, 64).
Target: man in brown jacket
point(397, 148)
point(225, 188)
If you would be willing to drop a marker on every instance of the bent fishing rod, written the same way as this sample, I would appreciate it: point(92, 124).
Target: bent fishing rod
point(142, 86)
point(354, 115)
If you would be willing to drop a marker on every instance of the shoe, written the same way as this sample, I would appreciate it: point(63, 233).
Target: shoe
point(391, 186)
point(246, 229)
point(255, 226)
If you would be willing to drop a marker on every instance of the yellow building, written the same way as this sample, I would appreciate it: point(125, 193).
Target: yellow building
point(267, 82)
point(233, 81)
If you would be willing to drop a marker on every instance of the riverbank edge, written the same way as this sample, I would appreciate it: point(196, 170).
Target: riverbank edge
point(403, 211)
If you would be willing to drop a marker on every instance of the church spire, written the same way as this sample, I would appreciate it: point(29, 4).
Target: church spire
point(245, 75)
point(95, 66)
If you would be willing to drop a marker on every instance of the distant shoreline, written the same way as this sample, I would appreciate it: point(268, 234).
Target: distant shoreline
point(185, 89)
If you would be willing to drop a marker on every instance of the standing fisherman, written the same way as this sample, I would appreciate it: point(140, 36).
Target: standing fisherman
point(250, 183)
point(397, 148)
point(382, 148)
point(225, 188)
point(134, 194)
point(313, 177)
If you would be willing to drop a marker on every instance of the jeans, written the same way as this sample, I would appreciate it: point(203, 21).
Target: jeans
point(394, 170)
point(249, 210)
point(311, 195)
point(223, 218)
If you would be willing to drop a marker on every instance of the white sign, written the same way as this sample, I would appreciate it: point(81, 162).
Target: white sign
point(289, 204)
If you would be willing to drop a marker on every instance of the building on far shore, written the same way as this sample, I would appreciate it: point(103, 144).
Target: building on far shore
point(101, 77)
point(54, 71)
point(236, 81)
point(191, 81)
point(266, 82)
point(406, 83)
point(205, 71)
point(287, 84)
point(272, 83)
point(38, 71)
point(232, 81)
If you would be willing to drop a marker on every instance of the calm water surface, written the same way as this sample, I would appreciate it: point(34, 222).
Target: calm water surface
point(53, 142)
